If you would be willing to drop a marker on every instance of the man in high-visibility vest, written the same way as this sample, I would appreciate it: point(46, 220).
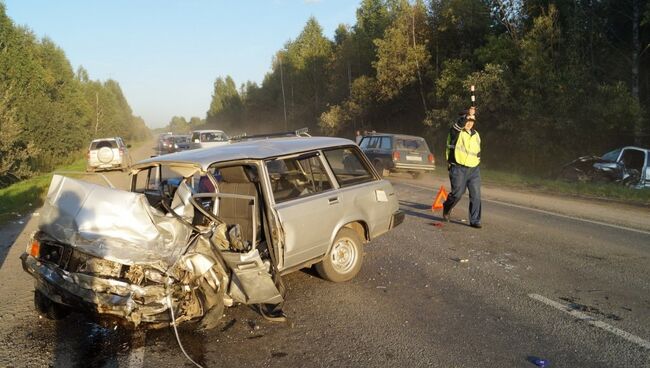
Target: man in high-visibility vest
point(463, 157)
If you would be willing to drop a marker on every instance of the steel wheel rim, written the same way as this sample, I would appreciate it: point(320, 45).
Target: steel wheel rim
point(343, 256)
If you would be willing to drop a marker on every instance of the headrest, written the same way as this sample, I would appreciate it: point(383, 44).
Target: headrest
point(234, 174)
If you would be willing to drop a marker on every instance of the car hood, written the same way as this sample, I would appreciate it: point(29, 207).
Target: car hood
point(114, 224)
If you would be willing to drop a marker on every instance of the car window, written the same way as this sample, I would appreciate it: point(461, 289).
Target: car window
point(386, 143)
point(612, 155)
point(100, 144)
point(147, 180)
point(348, 167)
point(297, 177)
point(633, 158)
point(372, 142)
point(412, 144)
point(213, 137)
point(364, 142)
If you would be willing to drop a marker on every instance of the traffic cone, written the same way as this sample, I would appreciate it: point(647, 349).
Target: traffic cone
point(440, 198)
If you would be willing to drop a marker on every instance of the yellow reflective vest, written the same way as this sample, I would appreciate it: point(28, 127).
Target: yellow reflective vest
point(466, 149)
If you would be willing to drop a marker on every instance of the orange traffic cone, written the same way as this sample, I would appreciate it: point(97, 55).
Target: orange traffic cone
point(440, 198)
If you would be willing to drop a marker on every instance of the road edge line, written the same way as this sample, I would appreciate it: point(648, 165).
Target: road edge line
point(592, 321)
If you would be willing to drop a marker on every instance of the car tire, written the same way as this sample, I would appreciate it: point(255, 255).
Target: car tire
point(343, 261)
point(49, 309)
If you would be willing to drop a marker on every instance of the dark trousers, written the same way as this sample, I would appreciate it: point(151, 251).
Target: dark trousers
point(461, 178)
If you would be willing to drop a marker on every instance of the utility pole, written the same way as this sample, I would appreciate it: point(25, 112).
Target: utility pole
point(417, 64)
point(96, 113)
point(284, 102)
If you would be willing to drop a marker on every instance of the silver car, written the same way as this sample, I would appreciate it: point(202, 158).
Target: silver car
point(201, 230)
point(208, 138)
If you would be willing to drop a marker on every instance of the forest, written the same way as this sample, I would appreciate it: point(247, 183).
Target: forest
point(49, 113)
point(554, 79)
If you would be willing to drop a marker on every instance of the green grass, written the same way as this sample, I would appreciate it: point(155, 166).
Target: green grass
point(27, 195)
point(608, 191)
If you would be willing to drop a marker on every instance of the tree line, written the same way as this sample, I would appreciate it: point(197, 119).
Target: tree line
point(554, 79)
point(48, 112)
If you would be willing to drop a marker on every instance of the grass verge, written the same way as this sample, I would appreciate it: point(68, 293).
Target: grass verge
point(607, 191)
point(24, 196)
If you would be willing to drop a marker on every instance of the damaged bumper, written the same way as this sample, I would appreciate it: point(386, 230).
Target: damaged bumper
point(99, 295)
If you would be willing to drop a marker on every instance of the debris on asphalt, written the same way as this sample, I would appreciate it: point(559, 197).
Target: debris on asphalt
point(539, 362)
point(380, 287)
point(464, 260)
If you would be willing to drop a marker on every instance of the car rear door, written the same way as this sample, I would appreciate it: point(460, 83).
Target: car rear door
point(306, 203)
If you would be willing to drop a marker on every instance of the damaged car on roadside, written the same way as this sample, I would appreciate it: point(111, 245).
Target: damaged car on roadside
point(207, 229)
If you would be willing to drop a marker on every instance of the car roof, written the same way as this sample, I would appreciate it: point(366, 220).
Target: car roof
point(105, 139)
point(207, 131)
point(252, 149)
point(392, 135)
point(633, 147)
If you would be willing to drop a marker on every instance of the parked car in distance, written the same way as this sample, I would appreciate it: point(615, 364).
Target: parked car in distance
point(391, 153)
point(107, 154)
point(629, 166)
point(164, 142)
point(174, 143)
point(208, 138)
point(203, 229)
point(181, 143)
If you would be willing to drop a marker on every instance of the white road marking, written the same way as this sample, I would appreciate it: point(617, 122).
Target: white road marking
point(136, 357)
point(620, 227)
point(592, 321)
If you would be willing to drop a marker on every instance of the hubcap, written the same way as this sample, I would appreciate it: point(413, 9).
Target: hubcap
point(344, 255)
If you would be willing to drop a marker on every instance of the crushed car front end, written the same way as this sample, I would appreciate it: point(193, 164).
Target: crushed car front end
point(134, 264)
point(133, 293)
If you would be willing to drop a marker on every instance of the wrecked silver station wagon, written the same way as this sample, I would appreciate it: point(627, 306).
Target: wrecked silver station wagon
point(204, 229)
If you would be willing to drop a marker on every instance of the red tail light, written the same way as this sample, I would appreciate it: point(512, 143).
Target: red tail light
point(432, 159)
point(396, 156)
point(121, 151)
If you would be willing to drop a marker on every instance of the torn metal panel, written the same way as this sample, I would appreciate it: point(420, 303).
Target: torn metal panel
point(114, 224)
point(251, 281)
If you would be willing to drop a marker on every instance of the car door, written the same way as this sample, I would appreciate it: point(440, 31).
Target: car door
point(306, 204)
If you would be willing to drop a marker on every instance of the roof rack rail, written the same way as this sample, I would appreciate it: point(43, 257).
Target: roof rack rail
point(302, 132)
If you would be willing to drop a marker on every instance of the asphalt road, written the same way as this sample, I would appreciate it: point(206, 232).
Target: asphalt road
point(429, 294)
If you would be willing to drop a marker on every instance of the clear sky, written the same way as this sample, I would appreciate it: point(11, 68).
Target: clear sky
point(167, 54)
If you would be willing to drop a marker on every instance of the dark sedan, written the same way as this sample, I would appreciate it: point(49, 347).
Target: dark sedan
point(398, 153)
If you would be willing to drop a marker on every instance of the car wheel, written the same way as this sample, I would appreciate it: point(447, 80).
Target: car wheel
point(344, 259)
point(46, 307)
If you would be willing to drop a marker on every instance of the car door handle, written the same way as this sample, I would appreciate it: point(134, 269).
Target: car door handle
point(333, 200)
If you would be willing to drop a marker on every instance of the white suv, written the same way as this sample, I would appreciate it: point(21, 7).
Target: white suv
point(107, 154)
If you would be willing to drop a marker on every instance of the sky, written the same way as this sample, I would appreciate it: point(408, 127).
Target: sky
point(167, 54)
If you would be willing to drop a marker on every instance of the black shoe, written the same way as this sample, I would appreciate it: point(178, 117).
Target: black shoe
point(476, 226)
point(446, 216)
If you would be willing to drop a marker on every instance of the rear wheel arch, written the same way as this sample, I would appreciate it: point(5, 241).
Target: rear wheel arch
point(360, 227)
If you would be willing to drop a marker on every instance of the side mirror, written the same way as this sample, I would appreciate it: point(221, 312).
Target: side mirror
point(128, 146)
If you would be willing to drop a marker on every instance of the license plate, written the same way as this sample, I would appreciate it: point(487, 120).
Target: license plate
point(413, 158)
